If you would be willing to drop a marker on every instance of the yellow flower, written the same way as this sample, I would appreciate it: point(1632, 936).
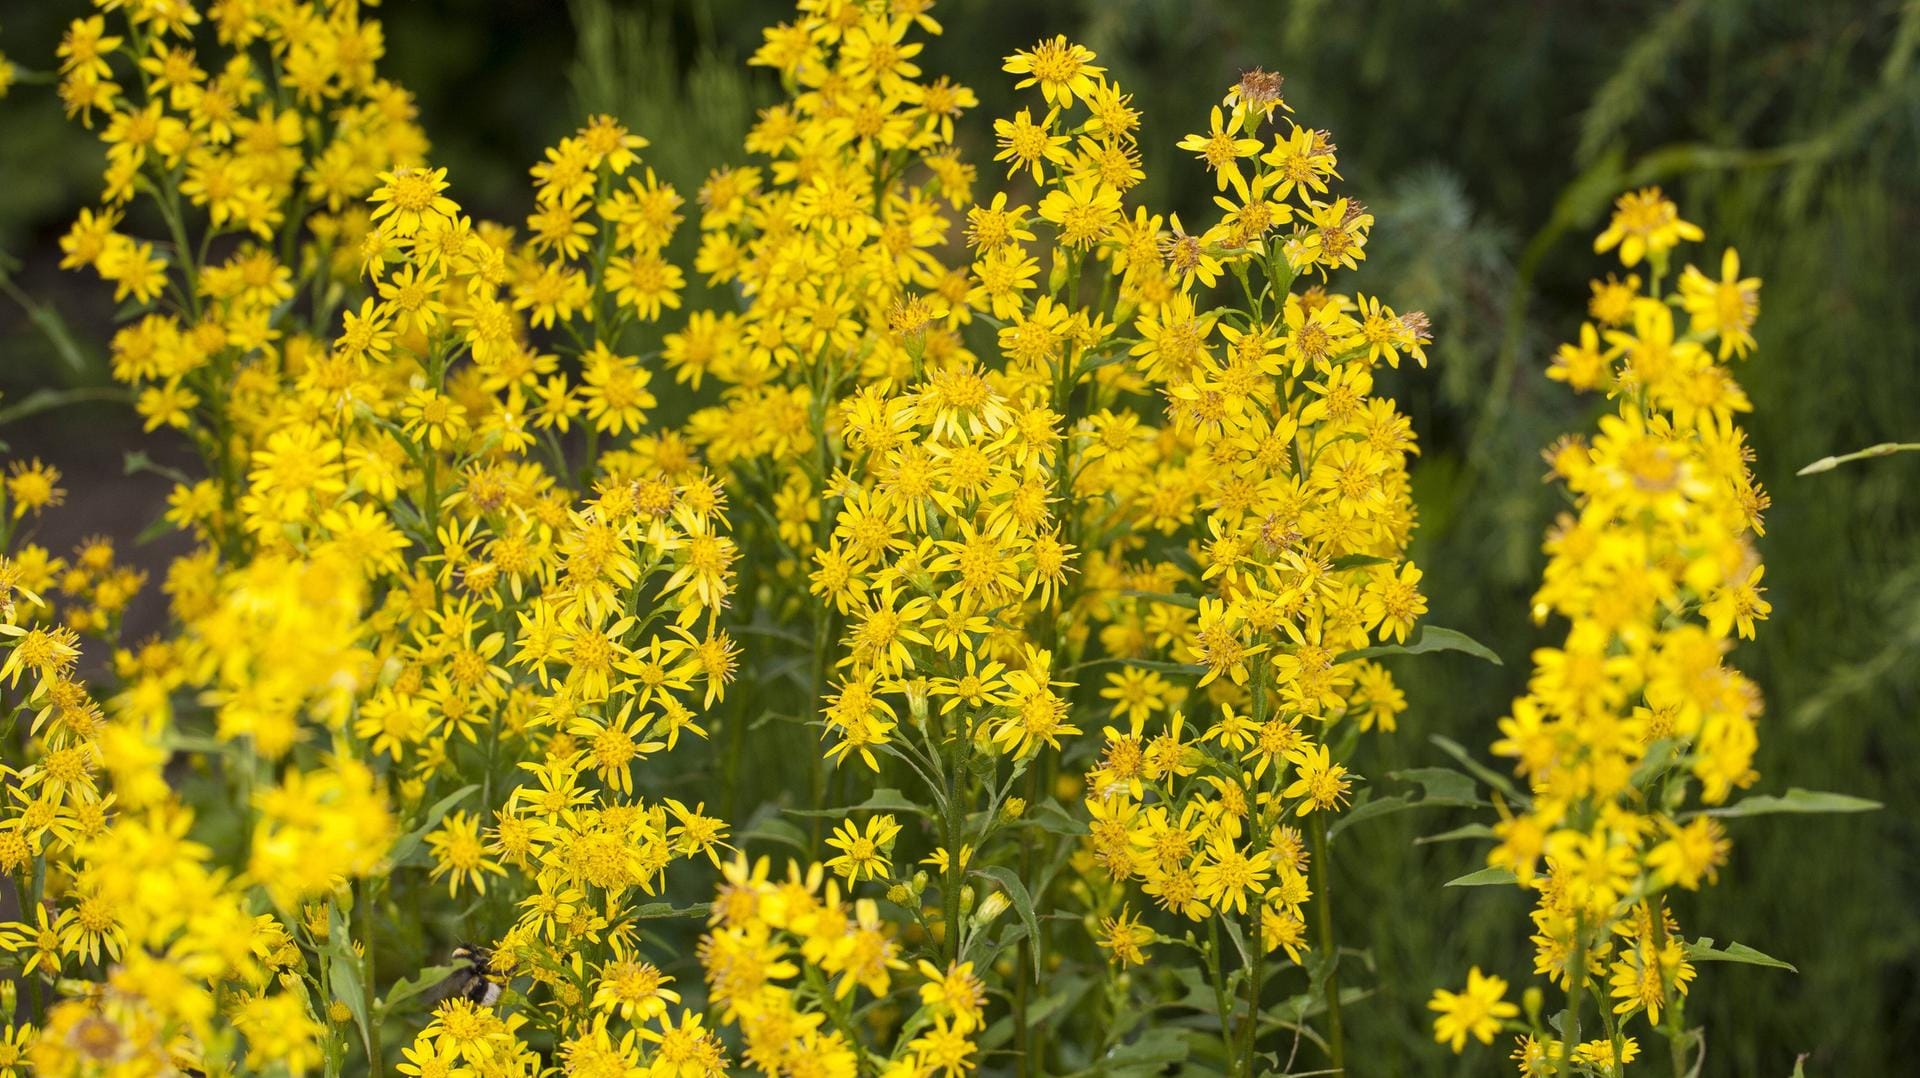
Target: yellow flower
point(1645, 224)
point(1063, 71)
point(1222, 150)
point(1475, 1012)
point(863, 853)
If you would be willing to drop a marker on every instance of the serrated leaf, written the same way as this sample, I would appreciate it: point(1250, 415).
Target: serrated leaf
point(1795, 800)
point(1429, 638)
point(1703, 950)
point(410, 841)
point(1486, 877)
point(1022, 904)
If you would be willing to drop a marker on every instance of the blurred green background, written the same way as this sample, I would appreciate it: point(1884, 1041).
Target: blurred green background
point(1489, 137)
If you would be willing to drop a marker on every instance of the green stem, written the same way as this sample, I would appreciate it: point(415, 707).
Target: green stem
point(1329, 949)
point(1576, 989)
point(376, 1064)
point(1254, 982)
point(1220, 990)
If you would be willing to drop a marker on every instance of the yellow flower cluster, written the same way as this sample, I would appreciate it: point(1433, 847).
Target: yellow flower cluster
point(1655, 573)
point(486, 512)
point(786, 962)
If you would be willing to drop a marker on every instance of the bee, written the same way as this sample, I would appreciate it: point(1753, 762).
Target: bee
point(473, 977)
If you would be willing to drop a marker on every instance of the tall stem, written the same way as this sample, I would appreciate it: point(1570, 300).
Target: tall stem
point(1217, 968)
point(1329, 949)
point(1254, 979)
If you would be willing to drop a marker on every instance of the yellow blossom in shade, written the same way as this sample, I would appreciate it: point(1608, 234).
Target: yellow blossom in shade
point(1645, 224)
point(1475, 1012)
point(614, 390)
point(33, 486)
point(1690, 852)
point(1321, 784)
point(459, 855)
point(955, 990)
point(864, 852)
point(1736, 606)
point(1725, 308)
point(1227, 876)
point(1125, 939)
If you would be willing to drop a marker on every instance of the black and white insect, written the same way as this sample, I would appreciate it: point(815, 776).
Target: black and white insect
point(473, 976)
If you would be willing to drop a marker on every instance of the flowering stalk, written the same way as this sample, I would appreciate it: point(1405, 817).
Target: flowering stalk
point(1656, 574)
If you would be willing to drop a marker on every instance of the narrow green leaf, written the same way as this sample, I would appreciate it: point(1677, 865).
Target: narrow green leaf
point(1795, 800)
point(1357, 561)
point(1703, 950)
point(1151, 1054)
point(1022, 904)
point(1367, 810)
point(1486, 877)
point(406, 988)
point(343, 976)
point(1441, 785)
point(774, 829)
point(885, 799)
point(660, 911)
point(1469, 831)
point(1429, 638)
point(1479, 770)
point(1187, 601)
point(410, 842)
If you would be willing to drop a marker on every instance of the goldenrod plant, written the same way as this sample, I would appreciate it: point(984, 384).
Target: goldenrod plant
point(937, 629)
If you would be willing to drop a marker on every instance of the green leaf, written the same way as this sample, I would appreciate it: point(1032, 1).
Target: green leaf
point(1357, 561)
point(1479, 770)
point(885, 799)
point(1367, 810)
point(1022, 904)
point(1187, 601)
point(1703, 950)
point(410, 842)
point(1160, 665)
point(1049, 816)
point(343, 975)
point(1429, 638)
point(660, 911)
point(774, 829)
point(1795, 800)
point(408, 987)
point(1486, 877)
point(1151, 1054)
point(1442, 785)
point(1469, 831)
